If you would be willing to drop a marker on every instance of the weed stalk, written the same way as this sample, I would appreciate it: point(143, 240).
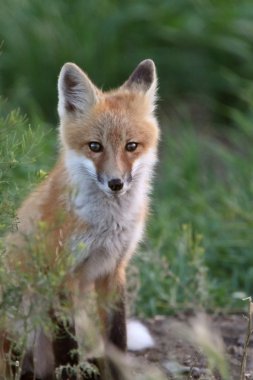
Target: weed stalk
point(247, 339)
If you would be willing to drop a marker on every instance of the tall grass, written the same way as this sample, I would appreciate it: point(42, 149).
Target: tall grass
point(199, 246)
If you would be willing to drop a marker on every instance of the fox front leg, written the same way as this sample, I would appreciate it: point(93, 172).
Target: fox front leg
point(116, 333)
point(111, 305)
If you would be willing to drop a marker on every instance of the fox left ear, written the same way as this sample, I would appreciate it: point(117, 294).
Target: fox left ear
point(77, 94)
point(144, 79)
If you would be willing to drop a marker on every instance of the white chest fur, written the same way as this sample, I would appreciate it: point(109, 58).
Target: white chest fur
point(111, 235)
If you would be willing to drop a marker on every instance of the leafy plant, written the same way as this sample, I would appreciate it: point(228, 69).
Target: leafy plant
point(21, 164)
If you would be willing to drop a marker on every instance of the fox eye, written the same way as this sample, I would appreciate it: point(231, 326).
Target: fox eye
point(131, 146)
point(95, 146)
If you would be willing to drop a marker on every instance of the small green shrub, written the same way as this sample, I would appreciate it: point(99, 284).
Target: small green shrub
point(21, 161)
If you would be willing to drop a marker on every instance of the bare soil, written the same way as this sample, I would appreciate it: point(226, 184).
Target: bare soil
point(179, 359)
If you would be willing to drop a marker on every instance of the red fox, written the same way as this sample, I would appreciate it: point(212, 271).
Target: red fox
point(101, 184)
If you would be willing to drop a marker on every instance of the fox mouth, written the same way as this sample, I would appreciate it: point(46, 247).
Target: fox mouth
point(118, 193)
point(111, 193)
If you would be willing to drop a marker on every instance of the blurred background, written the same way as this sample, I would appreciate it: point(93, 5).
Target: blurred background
point(198, 252)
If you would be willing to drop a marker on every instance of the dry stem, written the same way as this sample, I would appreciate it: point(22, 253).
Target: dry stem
point(247, 339)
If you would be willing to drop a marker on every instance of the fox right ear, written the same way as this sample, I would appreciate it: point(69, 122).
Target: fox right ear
point(75, 90)
point(144, 79)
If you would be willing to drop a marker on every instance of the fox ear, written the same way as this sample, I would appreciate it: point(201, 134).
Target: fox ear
point(75, 90)
point(143, 79)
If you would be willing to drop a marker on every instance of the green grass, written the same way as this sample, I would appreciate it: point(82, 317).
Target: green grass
point(199, 247)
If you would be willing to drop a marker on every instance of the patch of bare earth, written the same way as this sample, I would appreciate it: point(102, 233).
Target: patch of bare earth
point(179, 359)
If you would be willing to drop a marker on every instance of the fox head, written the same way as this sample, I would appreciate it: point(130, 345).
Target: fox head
point(109, 137)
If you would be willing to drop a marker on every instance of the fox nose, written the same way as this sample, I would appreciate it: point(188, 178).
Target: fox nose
point(115, 184)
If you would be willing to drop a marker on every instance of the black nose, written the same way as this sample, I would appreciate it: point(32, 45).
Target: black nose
point(115, 184)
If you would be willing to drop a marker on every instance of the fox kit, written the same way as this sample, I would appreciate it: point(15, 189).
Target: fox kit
point(101, 185)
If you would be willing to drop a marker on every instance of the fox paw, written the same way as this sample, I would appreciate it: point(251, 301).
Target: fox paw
point(82, 371)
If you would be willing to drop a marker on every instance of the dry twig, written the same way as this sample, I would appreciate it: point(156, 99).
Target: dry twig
point(247, 339)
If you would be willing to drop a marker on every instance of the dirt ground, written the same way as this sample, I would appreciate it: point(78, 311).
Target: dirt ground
point(179, 359)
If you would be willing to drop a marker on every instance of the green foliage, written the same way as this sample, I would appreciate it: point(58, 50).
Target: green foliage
point(20, 168)
point(199, 250)
point(21, 163)
point(203, 49)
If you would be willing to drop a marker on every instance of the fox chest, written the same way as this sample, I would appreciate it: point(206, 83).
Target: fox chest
point(107, 240)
